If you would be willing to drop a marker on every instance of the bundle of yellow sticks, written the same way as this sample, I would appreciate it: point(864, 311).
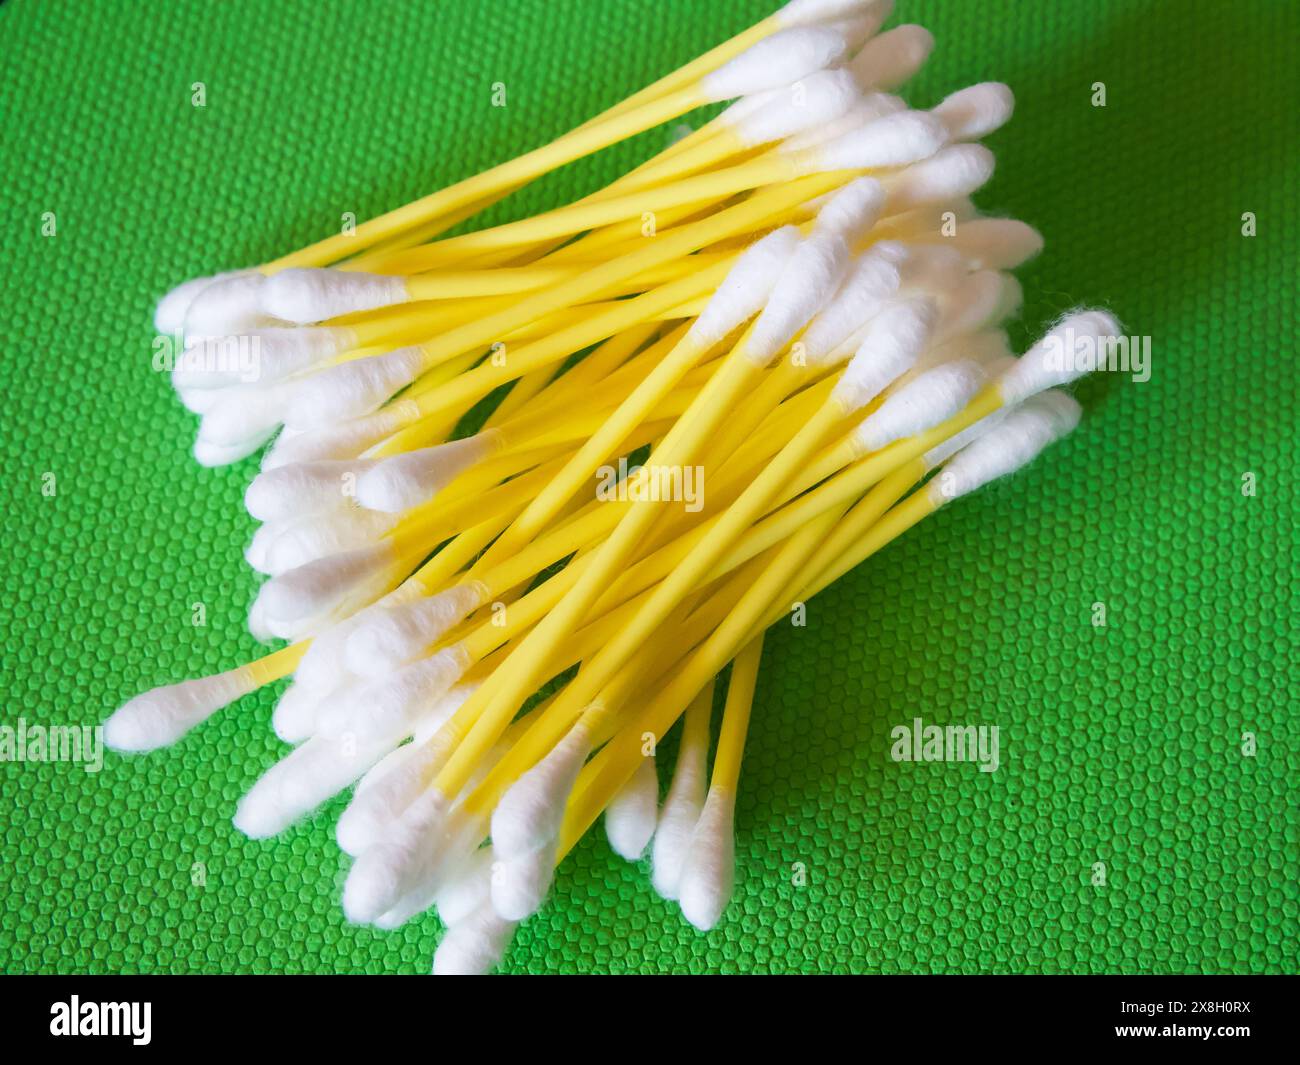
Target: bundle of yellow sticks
point(722, 381)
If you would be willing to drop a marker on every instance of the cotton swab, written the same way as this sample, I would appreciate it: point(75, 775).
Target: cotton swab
point(1004, 450)
point(1101, 324)
point(632, 814)
point(709, 868)
point(766, 64)
point(816, 322)
point(772, 330)
point(861, 382)
point(685, 799)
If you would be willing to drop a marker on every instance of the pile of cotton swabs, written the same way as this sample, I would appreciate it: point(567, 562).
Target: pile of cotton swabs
point(480, 640)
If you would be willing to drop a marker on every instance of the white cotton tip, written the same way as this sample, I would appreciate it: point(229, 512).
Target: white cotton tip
point(384, 871)
point(302, 780)
point(294, 716)
point(1069, 351)
point(317, 535)
point(997, 243)
point(863, 111)
point(529, 813)
point(395, 484)
point(983, 298)
point(388, 639)
point(1011, 298)
point(866, 19)
point(227, 307)
point(931, 222)
point(776, 61)
point(872, 280)
point(301, 600)
point(932, 269)
point(201, 400)
point(428, 727)
point(242, 413)
point(346, 441)
point(467, 888)
point(316, 295)
point(632, 814)
point(738, 110)
point(973, 113)
point(677, 819)
point(256, 551)
point(988, 347)
point(257, 357)
point(887, 61)
point(257, 623)
point(322, 668)
point(352, 389)
point(162, 716)
point(924, 402)
point(937, 456)
point(949, 174)
point(815, 100)
point(811, 276)
point(896, 140)
point(209, 363)
point(380, 802)
point(290, 492)
point(809, 12)
point(431, 721)
point(891, 345)
point(169, 315)
point(474, 945)
point(390, 706)
point(710, 870)
point(519, 885)
point(1022, 435)
point(418, 900)
point(851, 211)
point(456, 850)
point(210, 454)
point(746, 287)
point(858, 29)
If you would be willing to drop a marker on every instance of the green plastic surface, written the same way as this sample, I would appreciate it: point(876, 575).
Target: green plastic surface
point(1120, 745)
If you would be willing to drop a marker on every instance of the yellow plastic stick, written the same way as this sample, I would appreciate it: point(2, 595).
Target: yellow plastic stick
point(507, 175)
point(687, 574)
point(610, 769)
point(277, 664)
point(530, 657)
point(614, 430)
point(470, 387)
point(579, 217)
point(846, 485)
point(598, 365)
point(735, 716)
point(721, 645)
point(671, 86)
point(664, 248)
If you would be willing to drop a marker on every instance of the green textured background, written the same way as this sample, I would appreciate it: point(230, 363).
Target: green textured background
point(1120, 745)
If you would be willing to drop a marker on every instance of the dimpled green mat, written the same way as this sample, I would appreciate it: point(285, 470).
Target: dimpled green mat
point(1143, 817)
